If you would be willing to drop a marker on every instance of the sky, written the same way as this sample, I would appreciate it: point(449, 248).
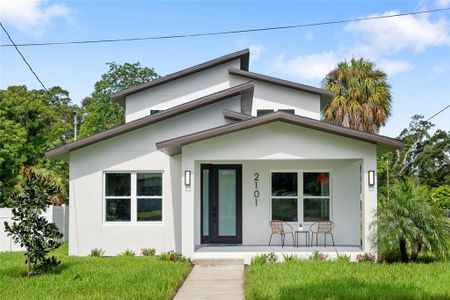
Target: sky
point(413, 50)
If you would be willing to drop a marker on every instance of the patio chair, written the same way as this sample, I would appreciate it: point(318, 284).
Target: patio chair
point(322, 227)
point(281, 228)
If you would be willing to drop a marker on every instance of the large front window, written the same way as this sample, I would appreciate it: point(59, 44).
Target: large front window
point(314, 193)
point(133, 197)
point(316, 196)
point(284, 196)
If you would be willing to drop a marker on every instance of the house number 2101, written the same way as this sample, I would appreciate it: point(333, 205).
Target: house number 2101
point(256, 192)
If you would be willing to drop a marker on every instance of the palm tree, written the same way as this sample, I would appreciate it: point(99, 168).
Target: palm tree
point(362, 96)
point(407, 223)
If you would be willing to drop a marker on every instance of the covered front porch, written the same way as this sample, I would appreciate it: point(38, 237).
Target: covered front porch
point(241, 181)
point(236, 200)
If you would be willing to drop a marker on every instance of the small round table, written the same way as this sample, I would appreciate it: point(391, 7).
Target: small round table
point(306, 232)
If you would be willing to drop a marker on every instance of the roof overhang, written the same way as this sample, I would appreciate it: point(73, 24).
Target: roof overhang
point(242, 89)
point(325, 95)
point(384, 144)
point(243, 56)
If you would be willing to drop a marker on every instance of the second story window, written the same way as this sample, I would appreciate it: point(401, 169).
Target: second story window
point(262, 112)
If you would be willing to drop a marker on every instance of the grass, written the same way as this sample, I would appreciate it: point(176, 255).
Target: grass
point(92, 278)
point(343, 280)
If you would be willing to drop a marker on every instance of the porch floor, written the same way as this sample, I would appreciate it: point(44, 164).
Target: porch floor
point(246, 252)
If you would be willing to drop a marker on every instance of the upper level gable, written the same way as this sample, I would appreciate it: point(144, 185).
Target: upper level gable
point(273, 94)
point(180, 87)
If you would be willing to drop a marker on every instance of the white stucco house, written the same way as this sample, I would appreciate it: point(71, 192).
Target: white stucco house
point(209, 155)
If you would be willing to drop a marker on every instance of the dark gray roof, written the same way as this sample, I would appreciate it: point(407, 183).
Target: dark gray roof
point(241, 89)
point(235, 116)
point(173, 146)
point(281, 82)
point(243, 55)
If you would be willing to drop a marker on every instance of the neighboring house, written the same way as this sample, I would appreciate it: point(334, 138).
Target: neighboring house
point(209, 155)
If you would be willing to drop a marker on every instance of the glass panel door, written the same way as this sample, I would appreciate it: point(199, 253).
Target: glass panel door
point(221, 204)
point(227, 202)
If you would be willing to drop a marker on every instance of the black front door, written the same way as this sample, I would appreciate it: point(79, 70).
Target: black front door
point(221, 204)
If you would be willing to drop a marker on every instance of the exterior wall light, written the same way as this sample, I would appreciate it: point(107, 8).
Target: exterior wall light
point(187, 178)
point(371, 178)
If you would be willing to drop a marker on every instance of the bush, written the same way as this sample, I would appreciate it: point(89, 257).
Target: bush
point(317, 255)
point(343, 258)
point(263, 259)
point(173, 256)
point(365, 257)
point(408, 223)
point(128, 252)
point(291, 257)
point(148, 252)
point(97, 252)
point(29, 228)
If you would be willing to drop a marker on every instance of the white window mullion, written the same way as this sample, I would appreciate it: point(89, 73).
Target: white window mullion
point(133, 197)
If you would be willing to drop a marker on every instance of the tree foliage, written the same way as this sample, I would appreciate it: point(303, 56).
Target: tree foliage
point(425, 157)
point(31, 122)
point(29, 228)
point(407, 223)
point(362, 96)
point(100, 111)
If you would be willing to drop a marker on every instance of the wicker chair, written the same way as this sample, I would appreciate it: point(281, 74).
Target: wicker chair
point(281, 228)
point(322, 227)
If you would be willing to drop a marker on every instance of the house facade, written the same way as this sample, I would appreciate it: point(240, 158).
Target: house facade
point(209, 155)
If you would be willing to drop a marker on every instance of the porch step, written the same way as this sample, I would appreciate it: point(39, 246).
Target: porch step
point(218, 262)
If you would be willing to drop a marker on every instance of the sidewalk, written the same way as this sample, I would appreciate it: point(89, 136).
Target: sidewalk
point(214, 279)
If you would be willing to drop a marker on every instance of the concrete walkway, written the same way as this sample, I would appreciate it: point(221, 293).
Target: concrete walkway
point(214, 279)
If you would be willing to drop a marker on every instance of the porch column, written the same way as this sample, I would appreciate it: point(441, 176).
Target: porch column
point(369, 202)
point(187, 209)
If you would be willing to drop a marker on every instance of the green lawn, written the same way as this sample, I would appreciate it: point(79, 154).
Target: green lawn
point(92, 278)
point(339, 280)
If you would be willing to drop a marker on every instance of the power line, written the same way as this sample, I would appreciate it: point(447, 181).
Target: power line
point(213, 33)
point(23, 57)
point(442, 110)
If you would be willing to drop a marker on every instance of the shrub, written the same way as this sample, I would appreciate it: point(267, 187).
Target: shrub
point(263, 259)
point(343, 258)
point(29, 228)
point(365, 257)
point(128, 252)
point(408, 223)
point(317, 255)
point(148, 252)
point(97, 252)
point(172, 256)
point(291, 257)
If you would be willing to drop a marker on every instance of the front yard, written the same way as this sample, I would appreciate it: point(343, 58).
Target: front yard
point(92, 278)
point(343, 280)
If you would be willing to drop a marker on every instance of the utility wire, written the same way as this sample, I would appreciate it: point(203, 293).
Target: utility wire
point(442, 110)
point(213, 33)
point(23, 57)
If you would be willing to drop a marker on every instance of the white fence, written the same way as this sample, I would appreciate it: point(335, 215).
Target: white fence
point(56, 214)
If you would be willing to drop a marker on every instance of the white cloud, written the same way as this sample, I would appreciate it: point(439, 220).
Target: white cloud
point(256, 51)
point(443, 3)
point(394, 67)
point(390, 36)
point(307, 67)
point(31, 16)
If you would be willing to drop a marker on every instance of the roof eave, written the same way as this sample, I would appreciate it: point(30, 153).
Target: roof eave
point(242, 55)
point(384, 144)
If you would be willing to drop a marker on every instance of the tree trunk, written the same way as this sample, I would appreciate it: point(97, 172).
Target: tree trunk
point(28, 266)
point(403, 251)
point(415, 253)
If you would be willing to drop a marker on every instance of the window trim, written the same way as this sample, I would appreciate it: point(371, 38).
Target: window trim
point(300, 196)
point(317, 197)
point(284, 197)
point(133, 197)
